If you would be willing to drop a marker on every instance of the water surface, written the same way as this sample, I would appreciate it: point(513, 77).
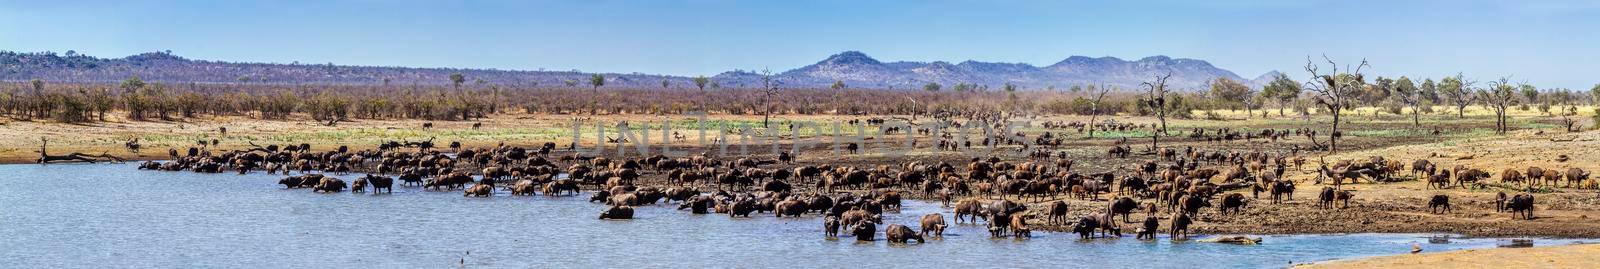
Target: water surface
point(88, 215)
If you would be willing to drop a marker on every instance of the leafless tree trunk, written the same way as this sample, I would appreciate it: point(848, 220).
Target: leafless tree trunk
point(1158, 103)
point(768, 88)
point(1333, 91)
point(45, 157)
point(1094, 109)
point(1499, 96)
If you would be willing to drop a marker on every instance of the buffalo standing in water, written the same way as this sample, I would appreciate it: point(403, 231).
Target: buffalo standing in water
point(1019, 226)
point(897, 233)
point(933, 223)
point(697, 205)
point(864, 230)
point(380, 183)
point(1180, 226)
point(359, 185)
point(329, 184)
point(523, 187)
point(830, 227)
point(479, 190)
point(1086, 227)
point(617, 212)
point(1149, 228)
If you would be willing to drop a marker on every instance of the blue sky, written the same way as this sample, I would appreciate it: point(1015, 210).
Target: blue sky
point(1548, 43)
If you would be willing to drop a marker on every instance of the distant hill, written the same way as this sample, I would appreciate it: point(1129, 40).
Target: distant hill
point(855, 69)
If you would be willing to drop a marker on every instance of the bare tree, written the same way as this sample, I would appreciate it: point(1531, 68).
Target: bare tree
point(1094, 107)
point(1157, 103)
point(1499, 96)
point(768, 89)
point(1333, 90)
point(1459, 92)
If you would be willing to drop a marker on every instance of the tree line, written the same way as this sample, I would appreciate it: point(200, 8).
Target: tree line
point(135, 99)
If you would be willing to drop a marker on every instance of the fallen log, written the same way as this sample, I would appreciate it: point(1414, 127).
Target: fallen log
point(1234, 239)
point(45, 157)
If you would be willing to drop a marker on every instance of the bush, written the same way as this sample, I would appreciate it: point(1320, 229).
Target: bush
point(1596, 117)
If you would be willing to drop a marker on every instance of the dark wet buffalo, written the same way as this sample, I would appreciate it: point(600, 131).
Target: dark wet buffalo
point(1149, 228)
point(864, 230)
point(1086, 227)
point(900, 234)
point(1521, 206)
point(617, 212)
point(830, 226)
point(1123, 206)
point(1439, 204)
point(1233, 202)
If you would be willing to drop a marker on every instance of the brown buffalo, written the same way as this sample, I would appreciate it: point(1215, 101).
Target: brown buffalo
point(1576, 176)
point(617, 212)
point(971, 207)
point(328, 184)
point(791, 207)
point(479, 190)
point(1510, 175)
point(1179, 228)
point(359, 185)
point(900, 234)
point(933, 223)
point(523, 187)
point(1019, 226)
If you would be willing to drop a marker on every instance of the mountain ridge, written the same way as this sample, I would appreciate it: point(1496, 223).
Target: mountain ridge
point(854, 68)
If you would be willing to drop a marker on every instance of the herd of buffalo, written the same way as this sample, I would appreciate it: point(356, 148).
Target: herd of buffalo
point(1174, 185)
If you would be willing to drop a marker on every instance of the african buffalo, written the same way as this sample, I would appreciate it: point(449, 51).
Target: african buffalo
point(1439, 204)
point(933, 223)
point(617, 212)
point(900, 234)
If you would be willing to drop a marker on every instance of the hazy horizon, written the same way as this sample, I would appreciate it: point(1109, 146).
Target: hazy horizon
point(1543, 43)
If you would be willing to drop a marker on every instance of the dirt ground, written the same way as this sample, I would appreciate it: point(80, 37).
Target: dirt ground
point(1401, 207)
point(1568, 256)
